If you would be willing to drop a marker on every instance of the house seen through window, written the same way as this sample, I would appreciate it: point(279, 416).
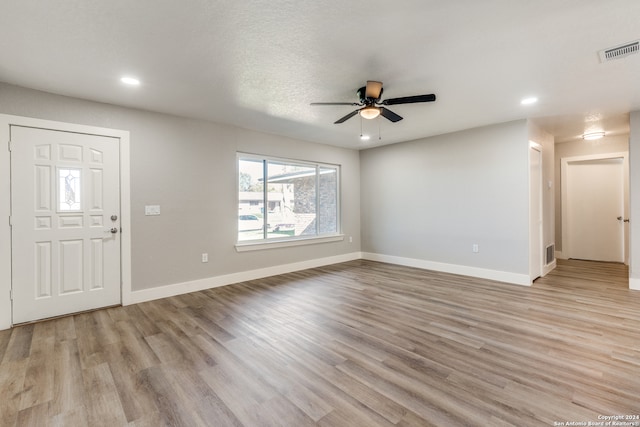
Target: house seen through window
point(286, 199)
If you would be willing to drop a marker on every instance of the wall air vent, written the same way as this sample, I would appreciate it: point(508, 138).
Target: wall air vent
point(619, 52)
point(550, 254)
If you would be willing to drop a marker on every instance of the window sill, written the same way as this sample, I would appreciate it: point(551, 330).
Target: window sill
point(273, 244)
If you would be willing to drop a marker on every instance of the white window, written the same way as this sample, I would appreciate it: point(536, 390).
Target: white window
point(286, 199)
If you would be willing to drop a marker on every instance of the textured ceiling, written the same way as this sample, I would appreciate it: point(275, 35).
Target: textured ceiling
point(259, 64)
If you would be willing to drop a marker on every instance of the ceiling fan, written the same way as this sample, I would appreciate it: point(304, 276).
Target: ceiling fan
point(369, 96)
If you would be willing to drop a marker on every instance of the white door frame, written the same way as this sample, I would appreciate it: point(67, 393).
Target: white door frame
point(564, 164)
point(5, 203)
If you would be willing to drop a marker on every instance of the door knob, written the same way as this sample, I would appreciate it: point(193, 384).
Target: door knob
point(114, 230)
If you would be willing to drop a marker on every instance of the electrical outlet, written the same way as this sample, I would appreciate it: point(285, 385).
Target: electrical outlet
point(350, 239)
point(205, 257)
point(475, 248)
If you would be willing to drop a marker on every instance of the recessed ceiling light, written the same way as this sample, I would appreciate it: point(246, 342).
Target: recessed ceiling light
point(365, 137)
point(529, 101)
point(131, 81)
point(593, 135)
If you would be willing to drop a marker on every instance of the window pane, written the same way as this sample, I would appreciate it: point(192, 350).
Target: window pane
point(282, 199)
point(250, 200)
point(291, 191)
point(69, 190)
point(328, 201)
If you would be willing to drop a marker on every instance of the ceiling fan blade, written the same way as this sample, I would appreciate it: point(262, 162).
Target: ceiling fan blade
point(409, 99)
point(374, 89)
point(388, 114)
point(335, 103)
point(347, 117)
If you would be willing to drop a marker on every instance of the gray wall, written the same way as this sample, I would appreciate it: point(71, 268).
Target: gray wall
point(608, 144)
point(433, 198)
point(188, 167)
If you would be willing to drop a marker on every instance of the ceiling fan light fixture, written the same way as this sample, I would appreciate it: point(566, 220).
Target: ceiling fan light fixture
point(370, 112)
point(593, 135)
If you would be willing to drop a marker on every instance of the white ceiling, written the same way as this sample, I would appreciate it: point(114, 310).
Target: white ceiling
point(259, 64)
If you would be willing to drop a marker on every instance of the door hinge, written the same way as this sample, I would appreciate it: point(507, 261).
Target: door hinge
point(10, 224)
point(9, 145)
point(11, 294)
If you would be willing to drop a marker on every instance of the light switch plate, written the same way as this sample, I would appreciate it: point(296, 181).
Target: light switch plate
point(152, 210)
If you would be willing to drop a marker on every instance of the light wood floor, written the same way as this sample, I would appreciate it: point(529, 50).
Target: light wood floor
point(355, 344)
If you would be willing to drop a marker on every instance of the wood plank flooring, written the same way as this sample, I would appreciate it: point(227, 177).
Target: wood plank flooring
point(354, 344)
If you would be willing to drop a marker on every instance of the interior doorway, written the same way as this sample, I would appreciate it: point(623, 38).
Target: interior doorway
point(595, 207)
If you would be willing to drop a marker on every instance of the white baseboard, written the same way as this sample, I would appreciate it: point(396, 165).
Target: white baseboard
point(464, 270)
point(229, 279)
point(546, 269)
point(213, 282)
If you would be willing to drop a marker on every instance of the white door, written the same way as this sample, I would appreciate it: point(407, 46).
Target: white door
point(65, 216)
point(594, 209)
point(535, 213)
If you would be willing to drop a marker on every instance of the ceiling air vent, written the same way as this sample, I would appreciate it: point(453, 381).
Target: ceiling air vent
point(619, 51)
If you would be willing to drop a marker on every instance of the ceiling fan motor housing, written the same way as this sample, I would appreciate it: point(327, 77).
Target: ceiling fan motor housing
point(363, 97)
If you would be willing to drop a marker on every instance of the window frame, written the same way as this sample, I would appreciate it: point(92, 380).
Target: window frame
point(267, 243)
